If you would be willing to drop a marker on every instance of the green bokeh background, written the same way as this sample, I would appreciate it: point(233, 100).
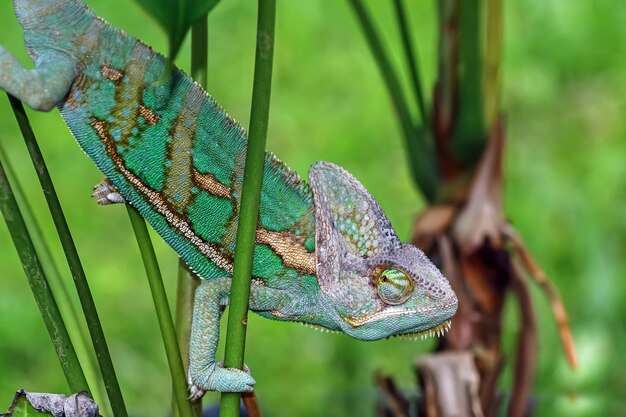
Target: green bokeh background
point(564, 89)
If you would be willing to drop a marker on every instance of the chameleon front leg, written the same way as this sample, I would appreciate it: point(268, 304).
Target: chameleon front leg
point(42, 87)
point(205, 374)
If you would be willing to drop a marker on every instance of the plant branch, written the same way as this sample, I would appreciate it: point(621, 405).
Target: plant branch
point(492, 75)
point(558, 307)
point(419, 149)
point(40, 288)
point(200, 52)
point(526, 354)
point(468, 140)
point(185, 290)
point(412, 61)
point(251, 192)
point(166, 324)
point(69, 312)
point(76, 268)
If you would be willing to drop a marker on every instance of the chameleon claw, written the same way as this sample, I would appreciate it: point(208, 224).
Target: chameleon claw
point(222, 379)
point(195, 392)
point(106, 193)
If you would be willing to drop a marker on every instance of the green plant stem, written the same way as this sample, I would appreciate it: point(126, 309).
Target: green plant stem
point(411, 59)
point(419, 149)
point(40, 288)
point(200, 52)
point(185, 290)
point(69, 313)
point(469, 136)
point(493, 57)
point(445, 104)
point(251, 192)
point(166, 324)
point(76, 268)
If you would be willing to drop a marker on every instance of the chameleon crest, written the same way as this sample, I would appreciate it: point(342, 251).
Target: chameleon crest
point(325, 255)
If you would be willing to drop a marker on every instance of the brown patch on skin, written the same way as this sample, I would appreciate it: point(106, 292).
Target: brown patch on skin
point(151, 117)
point(70, 100)
point(291, 250)
point(111, 73)
point(129, 95)
point(279, 314)
point(210, 184)
point(101, 129)
point(178, 223)
point(258, 281)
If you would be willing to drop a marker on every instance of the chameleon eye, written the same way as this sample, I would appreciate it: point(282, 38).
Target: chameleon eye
point(394, 286)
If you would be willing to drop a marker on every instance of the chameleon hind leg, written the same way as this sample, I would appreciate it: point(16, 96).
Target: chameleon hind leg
point(106, 193)
point(42, 87)
point(205, 374)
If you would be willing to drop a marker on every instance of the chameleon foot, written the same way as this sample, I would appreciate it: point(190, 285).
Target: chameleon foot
point(218, 378)
point(106, 193)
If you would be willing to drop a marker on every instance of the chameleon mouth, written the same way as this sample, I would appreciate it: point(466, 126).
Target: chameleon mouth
point(393, 312)
point(436, 331)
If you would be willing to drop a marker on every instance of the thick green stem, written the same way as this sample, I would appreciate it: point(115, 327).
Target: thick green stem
point(419, 148)
point(251, 192)
point(76, 268)
point(411, 59)
point(78, 333)
point(166, 324)
point(40, 288)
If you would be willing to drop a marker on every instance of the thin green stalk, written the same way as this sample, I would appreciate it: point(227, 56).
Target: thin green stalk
point(185, 290)
point(445, 105)
point(40, 288)
point(492, 79)
point(411, 59)
point(166, 324)
point(187, 281)
point(419, 149)
point(76, 268)
point(69, 313)
point(251, 193)
point(200, 52)
point(469, 136)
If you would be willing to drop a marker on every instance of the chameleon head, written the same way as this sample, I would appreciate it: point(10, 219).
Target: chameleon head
point(373, 286)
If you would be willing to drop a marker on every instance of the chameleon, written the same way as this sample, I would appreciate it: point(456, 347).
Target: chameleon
point(325, 254)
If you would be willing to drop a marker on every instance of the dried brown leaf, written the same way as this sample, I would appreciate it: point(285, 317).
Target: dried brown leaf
point(482, 219)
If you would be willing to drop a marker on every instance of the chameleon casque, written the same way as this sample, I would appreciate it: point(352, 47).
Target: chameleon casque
point(325, 255)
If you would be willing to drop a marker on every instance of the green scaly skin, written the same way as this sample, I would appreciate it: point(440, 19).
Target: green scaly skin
point(326, 254)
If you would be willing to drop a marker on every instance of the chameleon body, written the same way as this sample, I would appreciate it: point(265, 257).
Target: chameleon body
point(325, 254)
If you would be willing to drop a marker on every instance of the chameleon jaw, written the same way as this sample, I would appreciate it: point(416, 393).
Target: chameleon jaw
point(436, 331)
point(392, 312)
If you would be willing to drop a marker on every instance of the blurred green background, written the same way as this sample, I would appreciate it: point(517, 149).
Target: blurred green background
point(564, 93)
